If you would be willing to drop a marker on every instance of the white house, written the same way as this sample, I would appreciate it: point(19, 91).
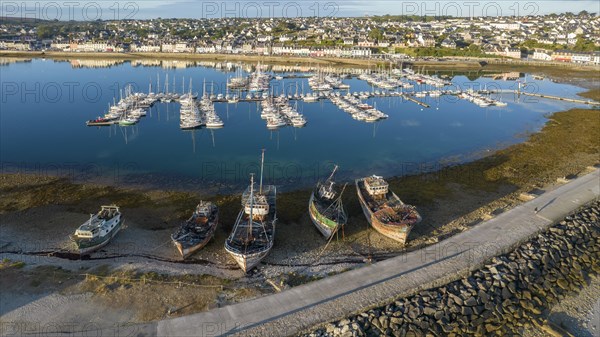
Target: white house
point(542, 55)
point(145, 48)
point(506, 26)
point(167, 48)
point(60, 46)
point(361, 52)
point(581, 58)
point(263, 38)
point(182, 47)
point(285, 38)
point(596, 58)
point(513, 52)
point(349, 41)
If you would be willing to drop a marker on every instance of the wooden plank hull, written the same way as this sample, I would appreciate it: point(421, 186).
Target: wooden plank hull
point(327, 231)
point(249, 261)
point(248, 251)
point(187, 251)
point(396, 232)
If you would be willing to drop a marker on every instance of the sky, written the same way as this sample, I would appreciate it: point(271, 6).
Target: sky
point(147, 9)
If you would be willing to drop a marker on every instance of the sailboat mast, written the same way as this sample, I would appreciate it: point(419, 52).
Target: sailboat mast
point(262, 165)
point(251, 205)
point(333, 172)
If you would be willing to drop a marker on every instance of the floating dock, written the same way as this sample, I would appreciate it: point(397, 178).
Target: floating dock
point(423, 104)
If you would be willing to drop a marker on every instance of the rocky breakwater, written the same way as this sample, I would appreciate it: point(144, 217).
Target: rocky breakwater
point(508, 293)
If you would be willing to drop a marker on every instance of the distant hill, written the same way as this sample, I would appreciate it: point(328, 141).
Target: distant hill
point(16, 20)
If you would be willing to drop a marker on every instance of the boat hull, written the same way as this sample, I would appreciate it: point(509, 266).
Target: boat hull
point(107, 123)
point(187, 251)
point(320, 221)
point(248, 261)
point(394, 232)
point(88, 246)
point(248, 256)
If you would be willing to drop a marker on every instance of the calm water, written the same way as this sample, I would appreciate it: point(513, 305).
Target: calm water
point(45, 104)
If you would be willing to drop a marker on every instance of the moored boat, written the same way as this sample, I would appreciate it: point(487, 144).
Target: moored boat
point(325, 207)
point(384, 211)
point(98, 230)
point(128, 121)
point(197, 231)
point(100, 121)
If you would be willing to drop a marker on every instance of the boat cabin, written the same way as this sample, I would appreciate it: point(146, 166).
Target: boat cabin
point(203, 209)
point(376, 186)
point(260, 206)
point(327, 191)
point(86, 233)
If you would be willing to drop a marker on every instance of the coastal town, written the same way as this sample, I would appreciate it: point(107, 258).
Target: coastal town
point(570, 38)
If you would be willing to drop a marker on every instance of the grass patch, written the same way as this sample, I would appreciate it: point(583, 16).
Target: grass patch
point(593, 94)
point(8, 263)
point(296, 279)
point(43, 275)
point(566, 72)
point(103, 280)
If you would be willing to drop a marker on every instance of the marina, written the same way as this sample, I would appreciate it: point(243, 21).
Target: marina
point(299, 142)
point(194, 114)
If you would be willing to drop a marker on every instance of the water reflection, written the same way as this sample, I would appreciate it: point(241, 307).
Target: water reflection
point(412, 136)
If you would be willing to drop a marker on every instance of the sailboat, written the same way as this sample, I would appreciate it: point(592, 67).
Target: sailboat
point(254, 230)
point(127, 120)
point(325, 207)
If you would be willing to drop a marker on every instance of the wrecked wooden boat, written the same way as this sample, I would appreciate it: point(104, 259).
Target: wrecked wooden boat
point(384, 211)
point(325, 206)
point(253, 234)
point(198, 230)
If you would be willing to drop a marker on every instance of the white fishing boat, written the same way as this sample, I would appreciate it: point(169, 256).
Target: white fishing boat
point(253, 234)
point(98, 230)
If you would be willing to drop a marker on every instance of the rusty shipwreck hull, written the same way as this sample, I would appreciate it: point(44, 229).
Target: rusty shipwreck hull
point(396, 231)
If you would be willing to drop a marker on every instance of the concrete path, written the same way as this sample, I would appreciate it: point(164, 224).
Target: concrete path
point(336, 297)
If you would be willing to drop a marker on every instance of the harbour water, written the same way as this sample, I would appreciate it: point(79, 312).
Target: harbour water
point(45, 105)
